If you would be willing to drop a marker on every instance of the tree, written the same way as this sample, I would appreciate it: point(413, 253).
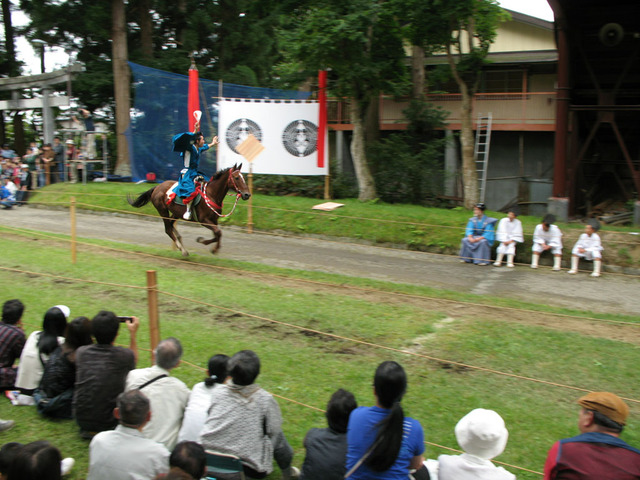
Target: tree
point(464, 29)
point(121, 84)
point(360, 42)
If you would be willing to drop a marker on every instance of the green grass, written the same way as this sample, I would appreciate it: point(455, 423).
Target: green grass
point(307, 368)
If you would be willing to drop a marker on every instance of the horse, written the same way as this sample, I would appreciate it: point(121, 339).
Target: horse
point(206, 212)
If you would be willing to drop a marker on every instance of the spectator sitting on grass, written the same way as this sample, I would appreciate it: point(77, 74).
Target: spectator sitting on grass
point(12, 341)
point(482, 435)
point(101, 370)
point(54, 396)
point(40, 345)
point(200, 399)
point(125, 453)
point(327, 447)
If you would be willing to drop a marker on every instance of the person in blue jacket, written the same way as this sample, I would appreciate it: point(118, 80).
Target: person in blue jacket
point(479, 237)
point(190, 154)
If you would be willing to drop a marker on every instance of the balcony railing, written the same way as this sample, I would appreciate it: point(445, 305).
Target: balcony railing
point(509, 110)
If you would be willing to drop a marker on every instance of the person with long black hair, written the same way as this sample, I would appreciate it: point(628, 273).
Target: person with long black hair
point(40, 345)
point(382, 443)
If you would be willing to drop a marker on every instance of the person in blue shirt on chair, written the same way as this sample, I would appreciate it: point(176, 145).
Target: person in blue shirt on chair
point(479, 237)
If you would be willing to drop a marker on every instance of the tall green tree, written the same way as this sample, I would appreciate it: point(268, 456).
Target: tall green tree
point(464, 30)
point(360, 43)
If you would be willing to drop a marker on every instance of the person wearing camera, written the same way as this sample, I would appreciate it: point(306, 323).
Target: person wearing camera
point(101, 371)
point(168, 395)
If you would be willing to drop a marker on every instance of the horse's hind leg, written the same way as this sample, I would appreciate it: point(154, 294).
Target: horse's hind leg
point(172, 231)
point(217, 235)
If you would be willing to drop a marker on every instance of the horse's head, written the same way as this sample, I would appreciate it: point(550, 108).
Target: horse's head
point(236, 181)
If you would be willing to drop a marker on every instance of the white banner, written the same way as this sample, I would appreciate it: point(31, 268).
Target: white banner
point(287, 129)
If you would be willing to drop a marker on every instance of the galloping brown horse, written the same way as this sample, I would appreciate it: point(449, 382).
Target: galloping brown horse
point(206, 212)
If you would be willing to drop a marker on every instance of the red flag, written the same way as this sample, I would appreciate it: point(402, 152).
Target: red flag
point(322, 120)
point(194, 101)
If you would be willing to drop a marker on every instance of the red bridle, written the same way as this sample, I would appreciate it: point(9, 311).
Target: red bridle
point(231, 183)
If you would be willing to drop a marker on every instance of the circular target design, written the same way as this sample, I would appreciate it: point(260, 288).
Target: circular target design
point(239, 130)
point(300, 138)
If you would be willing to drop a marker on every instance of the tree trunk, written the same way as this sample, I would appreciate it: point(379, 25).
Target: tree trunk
point(417, 72)
point(469, 173)
point(366, 185)
point(9, 44)
point(121, 84)
point(372, 121)
point(146, 29)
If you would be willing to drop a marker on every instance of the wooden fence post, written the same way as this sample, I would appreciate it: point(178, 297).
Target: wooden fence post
point(152, 301)
point(72, 212)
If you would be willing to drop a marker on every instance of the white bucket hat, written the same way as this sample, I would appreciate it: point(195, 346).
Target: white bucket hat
point(64, 310)
point(482, 433)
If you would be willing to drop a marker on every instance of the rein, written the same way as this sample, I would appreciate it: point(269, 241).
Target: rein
point(213, 205)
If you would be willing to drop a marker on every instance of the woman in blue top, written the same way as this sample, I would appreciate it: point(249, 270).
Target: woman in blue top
point(383, 444)
point(190, 154)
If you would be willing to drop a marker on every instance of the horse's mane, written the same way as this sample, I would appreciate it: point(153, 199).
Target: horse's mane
point(217, 175)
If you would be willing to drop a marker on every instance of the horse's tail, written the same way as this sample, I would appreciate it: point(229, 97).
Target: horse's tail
point(142, 200)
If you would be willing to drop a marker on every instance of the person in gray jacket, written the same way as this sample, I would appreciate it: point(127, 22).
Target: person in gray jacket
point(244, 420)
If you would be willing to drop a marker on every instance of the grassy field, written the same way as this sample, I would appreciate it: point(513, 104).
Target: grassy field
point(317, 332)
point(407, 226)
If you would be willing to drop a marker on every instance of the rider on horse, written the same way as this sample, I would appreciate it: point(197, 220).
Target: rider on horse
point(190, 153)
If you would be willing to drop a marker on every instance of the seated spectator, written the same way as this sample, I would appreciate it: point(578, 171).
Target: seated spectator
point(547, 238)
point(12, 340)
point(168, 395)
point(22, 195)
point(588, 247)
point(244, 420)
point(101, 371)
point(509, 234)
point(598, 452)
point(195, 414)
point(7, 194)
point(327, 447)
point(381, 442)
point(40, 345)
point(189, 458)
point(7, 454)
point(479, 236)
point(482, 435)
point(36, 461)
point(54, 396)
point(125, 453)
point(7, 151)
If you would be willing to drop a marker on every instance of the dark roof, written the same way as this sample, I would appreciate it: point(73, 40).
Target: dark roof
point(505, 58)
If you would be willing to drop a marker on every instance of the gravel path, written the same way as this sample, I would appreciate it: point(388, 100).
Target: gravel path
point(610, 293)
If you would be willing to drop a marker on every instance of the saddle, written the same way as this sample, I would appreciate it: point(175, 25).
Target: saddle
point(172, 197)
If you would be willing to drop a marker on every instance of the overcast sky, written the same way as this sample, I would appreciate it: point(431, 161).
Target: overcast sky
point(56, 58)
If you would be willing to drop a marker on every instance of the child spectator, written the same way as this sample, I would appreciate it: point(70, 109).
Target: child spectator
point(327, 447)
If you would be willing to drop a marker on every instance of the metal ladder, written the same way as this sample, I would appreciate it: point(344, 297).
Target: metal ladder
point(481, 151)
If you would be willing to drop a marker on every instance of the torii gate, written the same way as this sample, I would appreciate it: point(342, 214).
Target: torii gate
point(43, 81)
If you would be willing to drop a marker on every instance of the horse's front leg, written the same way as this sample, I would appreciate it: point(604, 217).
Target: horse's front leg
point(217, 235)
point(172, 231)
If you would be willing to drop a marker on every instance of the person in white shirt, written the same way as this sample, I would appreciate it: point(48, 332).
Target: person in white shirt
point(509, 233)
point(547, 238)
point(200, 399)
point(168, 395)
point(482, 435)
point(125, 453)
point(589, 247)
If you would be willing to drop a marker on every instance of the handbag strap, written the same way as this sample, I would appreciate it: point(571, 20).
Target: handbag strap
point(152, 380)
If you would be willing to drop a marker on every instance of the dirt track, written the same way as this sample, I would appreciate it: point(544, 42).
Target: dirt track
point(610, 293)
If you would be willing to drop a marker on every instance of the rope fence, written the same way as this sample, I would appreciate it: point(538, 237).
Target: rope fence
point(151, 284)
